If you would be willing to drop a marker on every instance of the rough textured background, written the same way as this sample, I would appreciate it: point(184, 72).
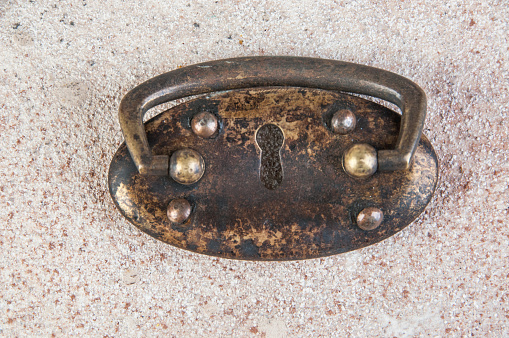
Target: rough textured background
point(72, 265)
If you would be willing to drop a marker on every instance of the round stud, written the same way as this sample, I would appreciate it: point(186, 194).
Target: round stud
point(186, 166)
point(343, 121)
point(360, 160)
point(370, 218)
point(204, 124)
point(179, 210)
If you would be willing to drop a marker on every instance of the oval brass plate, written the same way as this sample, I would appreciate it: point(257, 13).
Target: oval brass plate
point(278, 197)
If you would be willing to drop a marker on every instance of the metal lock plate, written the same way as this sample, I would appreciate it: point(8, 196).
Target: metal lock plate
point(274, 184)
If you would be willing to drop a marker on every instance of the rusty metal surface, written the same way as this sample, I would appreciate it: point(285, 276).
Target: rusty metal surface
point(304, 207)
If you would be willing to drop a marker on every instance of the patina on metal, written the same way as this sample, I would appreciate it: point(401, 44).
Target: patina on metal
point(186, 166)
point(343, 121)
point(204, 124)
point(360, 160)
point(179, 210)
point(370, 218)
point(275, 187)
point(262, 71)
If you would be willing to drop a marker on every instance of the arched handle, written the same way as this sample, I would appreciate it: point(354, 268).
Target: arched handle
point(261, 71)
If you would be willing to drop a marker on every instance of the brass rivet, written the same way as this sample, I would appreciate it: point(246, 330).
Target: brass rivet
point(186, 166)
point(179, 210)
point(204, 124)
point(360, 160)
point(370, 218)
point(343, 121)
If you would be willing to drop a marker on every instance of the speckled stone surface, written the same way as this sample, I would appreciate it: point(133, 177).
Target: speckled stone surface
point(71, 265)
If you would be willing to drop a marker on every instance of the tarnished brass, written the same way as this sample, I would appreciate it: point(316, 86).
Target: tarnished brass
point(275, 186)
point(360, 160)
point(343, 121)
point(186, 166)
point(204, 124)
point(370, 218)
point(179, 210)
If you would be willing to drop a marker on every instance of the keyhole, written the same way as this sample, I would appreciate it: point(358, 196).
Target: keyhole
point(270, 139)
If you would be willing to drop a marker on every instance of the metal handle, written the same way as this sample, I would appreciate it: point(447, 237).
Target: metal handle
point(261, 71)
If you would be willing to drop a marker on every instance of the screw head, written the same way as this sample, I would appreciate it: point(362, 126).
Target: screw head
point(179, 210)
point(370, 218)
point(360, 160)
point(343, 121)
point(186, 166)
point(204, 124)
